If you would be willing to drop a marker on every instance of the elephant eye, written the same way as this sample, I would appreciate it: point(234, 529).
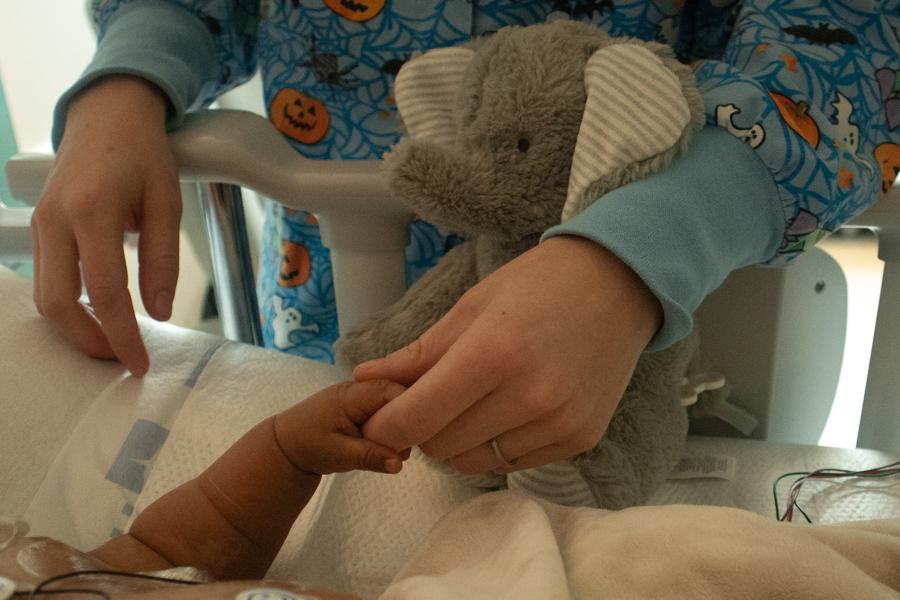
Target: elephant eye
point(524, 145)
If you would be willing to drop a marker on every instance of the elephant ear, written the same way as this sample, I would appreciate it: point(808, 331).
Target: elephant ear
point(638, 116)
point(425, 92)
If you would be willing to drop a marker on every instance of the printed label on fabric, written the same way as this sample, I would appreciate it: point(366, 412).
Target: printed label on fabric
point(703, 466)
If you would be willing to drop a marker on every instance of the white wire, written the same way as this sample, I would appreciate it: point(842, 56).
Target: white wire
point(864, 482)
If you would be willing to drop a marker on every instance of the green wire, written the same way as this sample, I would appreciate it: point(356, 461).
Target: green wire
point(885, 471)
point(775, 490)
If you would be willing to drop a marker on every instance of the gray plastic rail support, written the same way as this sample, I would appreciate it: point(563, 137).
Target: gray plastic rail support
point(363, 225)
point(879, 426)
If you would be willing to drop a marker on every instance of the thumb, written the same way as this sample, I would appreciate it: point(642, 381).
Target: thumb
point(360, 454)
point(406, 365)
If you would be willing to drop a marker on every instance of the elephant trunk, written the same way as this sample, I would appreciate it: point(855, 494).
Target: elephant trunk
point(456, 193)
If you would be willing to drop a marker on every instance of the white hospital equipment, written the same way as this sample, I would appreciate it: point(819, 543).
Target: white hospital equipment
point(776, 334)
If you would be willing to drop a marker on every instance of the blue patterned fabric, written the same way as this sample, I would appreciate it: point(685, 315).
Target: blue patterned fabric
point(815, 79)
point(811, 86)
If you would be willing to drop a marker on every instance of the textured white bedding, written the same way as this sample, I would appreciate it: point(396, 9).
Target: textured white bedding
point(84, 448)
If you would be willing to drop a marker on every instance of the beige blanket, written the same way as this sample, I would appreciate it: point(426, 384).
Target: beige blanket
point(507, 545)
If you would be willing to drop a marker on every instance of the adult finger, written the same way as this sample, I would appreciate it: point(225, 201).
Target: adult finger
point(409, 363)
point(106, 279)
point(36, 257)
point(559, 435)
point(517, 402)
point(489, 461)
point(158, 245)
point(536, 458)
point(58, 290)
point(361, 400)
point(459, 379)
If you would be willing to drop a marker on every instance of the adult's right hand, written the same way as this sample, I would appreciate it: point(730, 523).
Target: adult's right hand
point(114, 173)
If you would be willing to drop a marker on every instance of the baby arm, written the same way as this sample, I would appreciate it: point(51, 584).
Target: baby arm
point(232, 520)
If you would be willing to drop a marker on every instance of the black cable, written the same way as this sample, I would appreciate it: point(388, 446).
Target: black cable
point(39, 589)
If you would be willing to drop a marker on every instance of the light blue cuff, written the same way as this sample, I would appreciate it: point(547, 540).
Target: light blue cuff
point(159, 42)
point(685, 229)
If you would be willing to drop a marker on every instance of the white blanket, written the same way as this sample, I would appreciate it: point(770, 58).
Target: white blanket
point(507, 545)
point(360, 529)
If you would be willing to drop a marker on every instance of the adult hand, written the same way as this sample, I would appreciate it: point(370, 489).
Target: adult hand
point(536, 356)
point(114, 173)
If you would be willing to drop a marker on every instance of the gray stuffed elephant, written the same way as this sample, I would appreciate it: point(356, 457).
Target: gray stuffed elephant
point(507, 137)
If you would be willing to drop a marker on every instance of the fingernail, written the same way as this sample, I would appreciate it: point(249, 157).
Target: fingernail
point(393, 465)
point(361, 367)
point(163, 305)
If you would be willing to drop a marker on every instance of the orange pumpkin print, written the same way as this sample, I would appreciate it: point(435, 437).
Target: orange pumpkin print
point(299, 116)
point(310, 218)
point(795, 115)
point(356, 10)
point(888, 156)
point(295, 264)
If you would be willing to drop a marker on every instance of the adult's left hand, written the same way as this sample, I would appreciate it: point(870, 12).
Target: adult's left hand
point(536, 356)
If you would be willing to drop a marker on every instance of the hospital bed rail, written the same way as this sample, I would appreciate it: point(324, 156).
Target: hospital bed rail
point(220, 151)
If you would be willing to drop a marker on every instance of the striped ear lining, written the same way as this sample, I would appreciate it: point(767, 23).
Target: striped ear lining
point(425, 91)
point(559, 482)
point(635, 110)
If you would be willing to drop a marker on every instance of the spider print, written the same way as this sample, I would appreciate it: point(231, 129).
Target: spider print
point(325, 67)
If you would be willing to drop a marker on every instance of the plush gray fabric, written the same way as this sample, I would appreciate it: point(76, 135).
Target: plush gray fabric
point(527, 83)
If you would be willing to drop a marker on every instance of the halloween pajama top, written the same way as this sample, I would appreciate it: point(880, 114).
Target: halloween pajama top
point(802, 102)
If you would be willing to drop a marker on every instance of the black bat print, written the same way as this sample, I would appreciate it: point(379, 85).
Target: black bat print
point(562, 5)
point(212, 25)
point(823, 35)
point(589, 7)
point(392, 67)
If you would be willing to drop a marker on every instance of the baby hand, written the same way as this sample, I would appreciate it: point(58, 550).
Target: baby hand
point(323, 434)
